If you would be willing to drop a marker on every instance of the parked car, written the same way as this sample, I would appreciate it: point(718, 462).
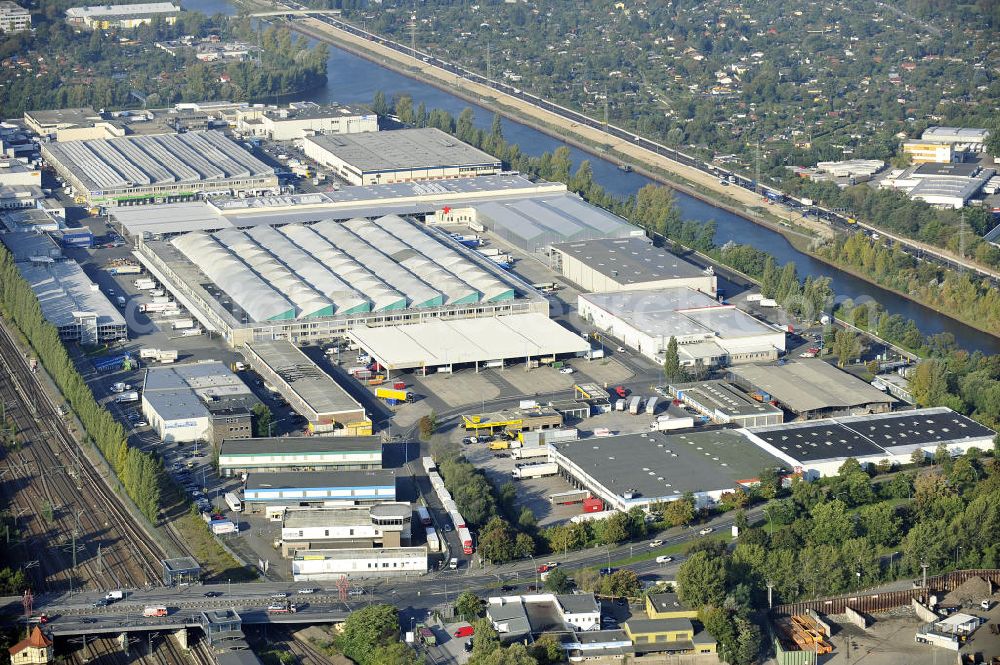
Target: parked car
point(465, 631)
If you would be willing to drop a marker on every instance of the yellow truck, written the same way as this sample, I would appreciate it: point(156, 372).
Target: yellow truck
point(499, 444)
point(392, 393)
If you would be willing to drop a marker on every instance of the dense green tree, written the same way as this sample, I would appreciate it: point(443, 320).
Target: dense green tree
point(672, 369)
point(366, 629)
point(469, 606)
point(557, 581)
point(702, 580)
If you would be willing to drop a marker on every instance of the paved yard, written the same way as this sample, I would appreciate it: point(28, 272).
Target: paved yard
point(464, 387)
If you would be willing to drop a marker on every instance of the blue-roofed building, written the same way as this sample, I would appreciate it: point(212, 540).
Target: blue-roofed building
point(318, 488)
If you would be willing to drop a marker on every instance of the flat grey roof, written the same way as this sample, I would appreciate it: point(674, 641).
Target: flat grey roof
point(363, 553)
point(403, 198)
point(629, 260)
point(83, 115)
point(183, 391)
point(678, 312)
point(962, 134)
point(809, 385)
point(314, 386)
point(640, 625)
point(665, 466)
point(24, 245)
point(299, 445)
point(402, 149)
point(184, 563)
point(161, 159)
point(346, 516)
point(724, 397)
point(63, 289)
point(320, 479)
point(577, 602)
point(667, 602)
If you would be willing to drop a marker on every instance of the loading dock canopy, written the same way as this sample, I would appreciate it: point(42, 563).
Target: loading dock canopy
point(438, 342)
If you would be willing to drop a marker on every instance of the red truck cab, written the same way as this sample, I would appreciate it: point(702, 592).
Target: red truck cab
point(621, 392)
point(465, 631)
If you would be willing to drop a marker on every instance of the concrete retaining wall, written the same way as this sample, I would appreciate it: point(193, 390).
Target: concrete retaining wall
point(856, 618)
point(924, 613)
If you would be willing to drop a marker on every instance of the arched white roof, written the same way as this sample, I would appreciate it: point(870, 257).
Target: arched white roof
point(254, 295)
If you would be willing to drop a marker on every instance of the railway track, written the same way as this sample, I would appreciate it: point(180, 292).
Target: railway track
point(68, 500)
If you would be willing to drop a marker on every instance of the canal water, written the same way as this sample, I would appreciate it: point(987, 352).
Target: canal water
point(352, 79)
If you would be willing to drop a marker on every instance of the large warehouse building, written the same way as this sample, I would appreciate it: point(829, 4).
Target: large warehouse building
point(308, 282)
point(813, 388)
point(628, 264)
point(818, 448)
point(154, 169)
point(71, 302)
point(300, 453)
point(309, 390)
point(491, 342)
point(403, 155)
point(197, 401)
point(707, 332)
point(643, 469)
point(105, 17)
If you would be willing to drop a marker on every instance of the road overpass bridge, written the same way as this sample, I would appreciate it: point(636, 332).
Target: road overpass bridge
point(294, 12)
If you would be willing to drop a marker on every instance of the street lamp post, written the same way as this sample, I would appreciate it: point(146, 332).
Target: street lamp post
point(537, 580)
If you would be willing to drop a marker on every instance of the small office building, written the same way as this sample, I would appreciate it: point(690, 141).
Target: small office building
point(628, 264)
point(197, 401)
point(299, 453)
point(402, 155)
point(379, 525)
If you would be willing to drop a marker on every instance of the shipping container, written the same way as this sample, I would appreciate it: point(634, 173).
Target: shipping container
point(158, 307)
point(593, 505)
point(156, 300)
point(158, 354)
point(155, 611)
point(594, 354)
point(433, 541)
point(651, 405)
point(526, 452)
point(126, 269)
point(635, 405)
point(220, 527)
point(180, 324)
point(662, 424)
point(534, 470)
point(144, 283)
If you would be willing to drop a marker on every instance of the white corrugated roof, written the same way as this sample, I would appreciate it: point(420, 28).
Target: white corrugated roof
point(441, 342)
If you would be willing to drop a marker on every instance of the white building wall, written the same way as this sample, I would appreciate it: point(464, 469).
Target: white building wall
point(374, 563)
point(288, 129)
point(292, 534)
point(176, 430)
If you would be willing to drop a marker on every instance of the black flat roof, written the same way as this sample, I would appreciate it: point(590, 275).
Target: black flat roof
point(917, 428)
point(823, 440)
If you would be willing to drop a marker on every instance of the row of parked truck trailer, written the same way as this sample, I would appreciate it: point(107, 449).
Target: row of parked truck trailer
point(449, 505)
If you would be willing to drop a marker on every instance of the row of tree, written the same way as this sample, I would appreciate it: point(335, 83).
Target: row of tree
point(139, 472)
